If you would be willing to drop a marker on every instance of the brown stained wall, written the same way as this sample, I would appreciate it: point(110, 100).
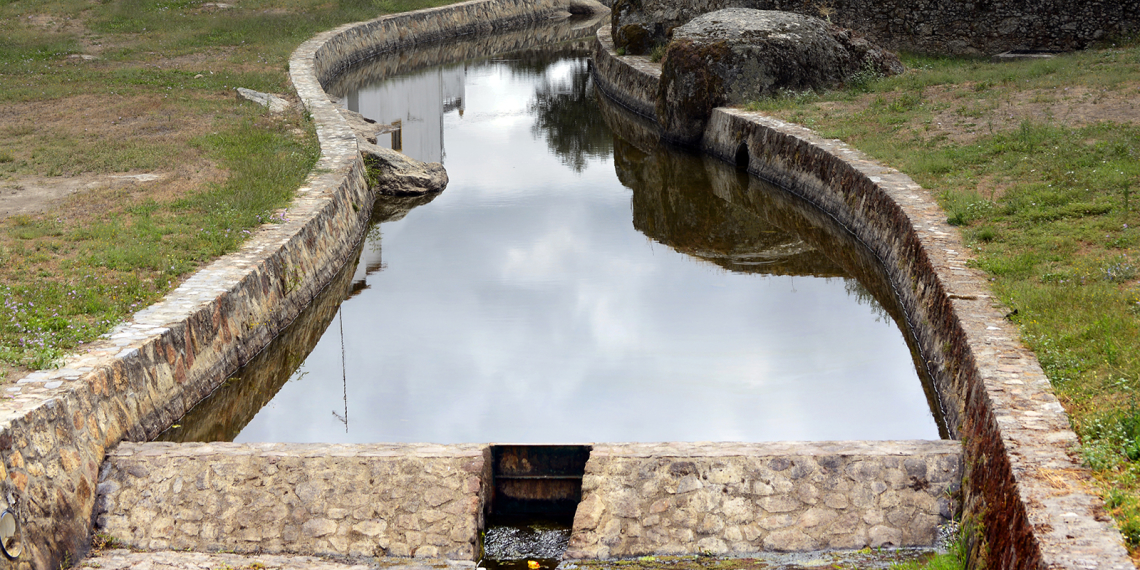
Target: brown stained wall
point(1024, 487)
point(56, 425)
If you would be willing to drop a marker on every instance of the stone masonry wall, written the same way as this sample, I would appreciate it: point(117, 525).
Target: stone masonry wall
point(1025, 488)
point(465, 48)
point(932, 26)
point(348, 45)
point(341, 500)
point(427, 501)
point(56, 425)
point(631, 80)
point(735, 499)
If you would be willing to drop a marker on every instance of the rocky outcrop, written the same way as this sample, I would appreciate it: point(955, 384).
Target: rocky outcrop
point(927, 26)
point(635, 30)
point(398, 175)
point(736, 55)
point(586, 7)
point(392, 172)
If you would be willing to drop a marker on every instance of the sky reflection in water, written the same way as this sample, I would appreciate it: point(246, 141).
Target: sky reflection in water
point(522, 306)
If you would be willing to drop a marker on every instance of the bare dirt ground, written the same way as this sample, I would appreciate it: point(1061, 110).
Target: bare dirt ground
point(32, 194)
point(48, 137)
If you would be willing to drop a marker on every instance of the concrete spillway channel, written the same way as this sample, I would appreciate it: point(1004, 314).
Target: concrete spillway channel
point(66, 461)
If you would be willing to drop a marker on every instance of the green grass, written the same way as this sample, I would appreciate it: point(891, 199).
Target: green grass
point(70, 282)
point(160, 95)
point(954, 558)
point(1047, 206)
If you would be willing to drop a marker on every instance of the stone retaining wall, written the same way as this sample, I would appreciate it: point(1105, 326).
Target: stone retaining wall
point(631, 80)
point(736, 499)
point(932, 26)
point(427, 501)
point(339, 500)
point(337, 50)
point(1024, 488)
point(466, 48)
point(56, 425)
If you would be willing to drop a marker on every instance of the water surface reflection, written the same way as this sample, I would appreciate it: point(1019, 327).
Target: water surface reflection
point(522, 305)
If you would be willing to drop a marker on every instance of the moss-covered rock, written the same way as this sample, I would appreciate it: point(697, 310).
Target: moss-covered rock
point(631, 30)
point(736, 55)
point(690, 88)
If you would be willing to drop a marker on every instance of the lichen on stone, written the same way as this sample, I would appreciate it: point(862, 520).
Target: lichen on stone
point(689, 90)
point(736, 55)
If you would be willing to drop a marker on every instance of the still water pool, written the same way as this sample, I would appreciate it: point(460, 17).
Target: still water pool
point(577, 284)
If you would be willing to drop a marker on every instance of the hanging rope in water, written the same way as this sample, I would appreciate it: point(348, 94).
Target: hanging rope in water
point(343, 373)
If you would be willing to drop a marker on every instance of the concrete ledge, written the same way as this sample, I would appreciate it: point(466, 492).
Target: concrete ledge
point(1024, 486)
point(56, 425)
point(736, 499)
point(314, 499)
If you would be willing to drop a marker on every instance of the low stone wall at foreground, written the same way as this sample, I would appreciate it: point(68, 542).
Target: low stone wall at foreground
point(346, 500)
point(1025, 491)
point(427, 501)
point(56, 425)
point(735, 499)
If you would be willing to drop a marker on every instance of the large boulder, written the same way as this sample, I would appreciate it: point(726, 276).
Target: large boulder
point(394, 173)
point(736, 55)
point(399, 175)
point(635, 30)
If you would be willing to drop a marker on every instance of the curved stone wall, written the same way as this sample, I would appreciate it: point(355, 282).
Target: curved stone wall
point(57, 425)
point(1030, 498)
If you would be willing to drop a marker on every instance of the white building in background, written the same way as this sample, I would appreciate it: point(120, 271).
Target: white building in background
point(414, 107)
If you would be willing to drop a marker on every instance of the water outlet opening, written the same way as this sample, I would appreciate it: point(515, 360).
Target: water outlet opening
point(535, 490)
point(742, 157)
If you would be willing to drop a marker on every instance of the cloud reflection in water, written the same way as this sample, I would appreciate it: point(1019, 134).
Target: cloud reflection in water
point(523, 306)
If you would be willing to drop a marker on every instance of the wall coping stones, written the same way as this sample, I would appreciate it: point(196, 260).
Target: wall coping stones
point(1024, 483)
point(55, 425)
point(892, 448)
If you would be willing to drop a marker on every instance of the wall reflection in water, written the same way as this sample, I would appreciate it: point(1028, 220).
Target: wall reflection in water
point(523, 305)
point(411, 109)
